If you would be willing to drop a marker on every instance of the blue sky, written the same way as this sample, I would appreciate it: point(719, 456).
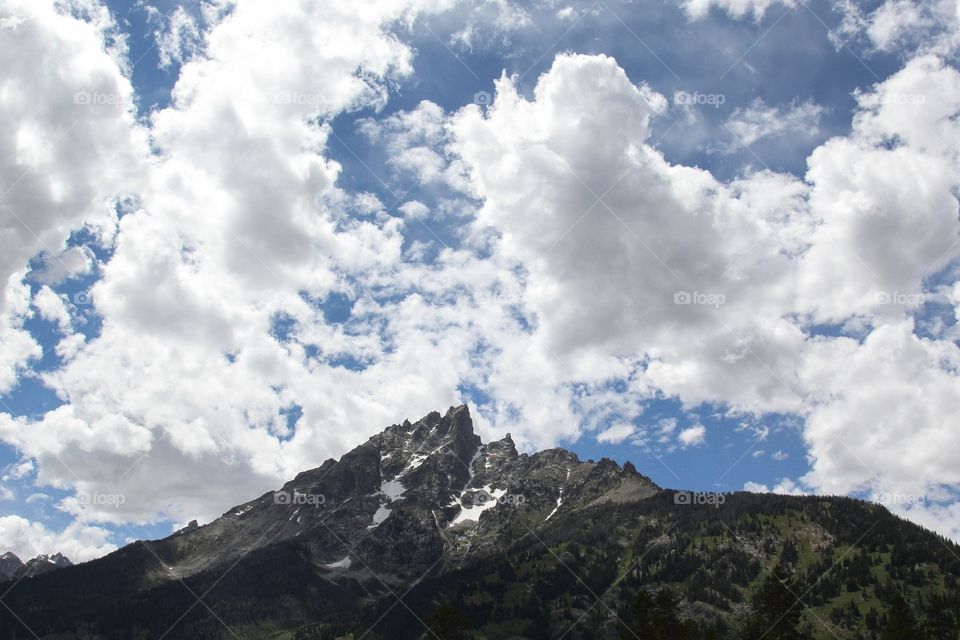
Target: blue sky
point(384, 267)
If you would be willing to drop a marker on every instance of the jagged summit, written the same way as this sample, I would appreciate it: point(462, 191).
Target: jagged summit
point(415, 494)
point(12, 567)
point(9, 565)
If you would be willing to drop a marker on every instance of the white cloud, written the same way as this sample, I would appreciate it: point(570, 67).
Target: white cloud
point(414, 210)
point(62, 266)
point(415, 143)
point(616, 434)
point(699, 9)
point(660, 234)
point(69, 143)
point(17, 471)
point(919, 26)
point(489, 21)
point(52, 307)
point(77, 541)
point(693, 436)
point(179, 37)
point(893, 20)
point(889, 217)
point(239, 221)
point(759, 121)
point(852, 243)
point(786, 486)
point(890, 425)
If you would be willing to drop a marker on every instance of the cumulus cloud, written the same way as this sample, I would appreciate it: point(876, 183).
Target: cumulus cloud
point(28, 539)
point(597, 215)
point(17, 346)
point(616, 434)
point(70, 143)
point(65, 265)
point(693, 436)
point(414, 141)
point(237, 222)
point(52, 307)
point(671, 260)
point(889, 427)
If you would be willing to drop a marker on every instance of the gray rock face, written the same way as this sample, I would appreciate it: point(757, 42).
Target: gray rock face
point(415, 496)
point(9, 565)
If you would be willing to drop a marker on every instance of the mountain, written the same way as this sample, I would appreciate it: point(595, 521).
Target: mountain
point(9, 565)
point(12, 567)
point(424, 531)
point(43, 564)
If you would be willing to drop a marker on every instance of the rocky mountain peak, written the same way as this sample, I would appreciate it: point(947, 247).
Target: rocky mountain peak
point(9, 565)
point(416, 493)
point(504, 446)
point(12, 567)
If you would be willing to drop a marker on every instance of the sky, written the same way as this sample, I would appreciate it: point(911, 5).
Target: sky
point(717, 238)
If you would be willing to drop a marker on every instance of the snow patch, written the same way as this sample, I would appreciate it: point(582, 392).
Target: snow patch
point(472, 512)
point(343, 563)
point(466, 487)
point(556, 508)
point(392, 489)
point(382, 514)
point(559, 498)
point(416, 460)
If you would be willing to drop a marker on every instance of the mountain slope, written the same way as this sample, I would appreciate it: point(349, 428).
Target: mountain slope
point(522, 546)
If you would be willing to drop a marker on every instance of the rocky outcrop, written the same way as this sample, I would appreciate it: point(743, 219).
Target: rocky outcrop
point(9, 565)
